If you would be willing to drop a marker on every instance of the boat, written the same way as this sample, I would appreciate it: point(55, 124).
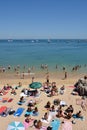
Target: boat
point(49, 40)
point(10, 40)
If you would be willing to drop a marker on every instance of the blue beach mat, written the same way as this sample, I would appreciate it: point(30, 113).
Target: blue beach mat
point(28, 113)
point(19, 112)
point(55, 124)
point(21, 103)
point(35, 114)
point(31, 113)
point(74, 116)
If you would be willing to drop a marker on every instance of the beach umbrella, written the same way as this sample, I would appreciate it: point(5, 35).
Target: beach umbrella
point(16, 126)
point(35, 85)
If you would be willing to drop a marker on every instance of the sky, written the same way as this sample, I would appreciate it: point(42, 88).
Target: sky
point(43, 19)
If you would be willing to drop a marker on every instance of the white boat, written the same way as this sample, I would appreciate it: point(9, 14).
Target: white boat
point(10, 40)
point(49, 40)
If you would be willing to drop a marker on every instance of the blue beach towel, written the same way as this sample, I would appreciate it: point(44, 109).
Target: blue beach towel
point(28, 113)
point(74, 116)
point(55, 124)
point(19, 112)
point(35, 114)
point(21, 103)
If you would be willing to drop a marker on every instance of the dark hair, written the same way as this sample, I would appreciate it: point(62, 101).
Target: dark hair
point(35, 121)
point(49, 128)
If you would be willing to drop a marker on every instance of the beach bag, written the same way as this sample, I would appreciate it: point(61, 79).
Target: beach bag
point(16, 87)
point(11, 112)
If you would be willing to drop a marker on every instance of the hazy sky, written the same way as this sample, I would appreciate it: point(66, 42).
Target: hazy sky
point(43, 19)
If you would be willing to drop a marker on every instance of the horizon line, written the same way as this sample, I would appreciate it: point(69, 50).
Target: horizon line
point(43, 38)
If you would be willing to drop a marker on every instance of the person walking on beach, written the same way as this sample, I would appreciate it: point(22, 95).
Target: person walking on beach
point(32, 79)
point(65, 77)
point(23, 75)
point(47, 79)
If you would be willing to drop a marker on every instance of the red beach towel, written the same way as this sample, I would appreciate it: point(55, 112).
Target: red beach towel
point(2, 109)
point(10, 100)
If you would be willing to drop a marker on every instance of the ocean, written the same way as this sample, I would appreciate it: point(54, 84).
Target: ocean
point(54, 52)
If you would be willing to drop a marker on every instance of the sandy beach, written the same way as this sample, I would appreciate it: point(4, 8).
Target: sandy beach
point(42, 99)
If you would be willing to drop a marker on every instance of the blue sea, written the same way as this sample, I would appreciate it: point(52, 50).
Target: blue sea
point(32, 52)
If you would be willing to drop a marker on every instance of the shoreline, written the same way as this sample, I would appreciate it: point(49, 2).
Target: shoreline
point(12, 78)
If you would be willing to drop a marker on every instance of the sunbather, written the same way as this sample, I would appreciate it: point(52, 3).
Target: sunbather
point(45, 117)
point(68, 115)
point(21, 99)
point(70, 109)
point(56, 101)
point(29, 109)
point(38, 124)
point(2, 92)
point(35, 111)
point(59, 114)
point(27, 120)
point(32, 103)
point(48, 105)
point(52, 109)
point(79, 115)
point(13, 92)
point(7, 87)
point(61, 91)
point(19, 84)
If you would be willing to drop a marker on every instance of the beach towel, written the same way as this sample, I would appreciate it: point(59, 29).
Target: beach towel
point(71, 86)
point(22, 94)
point(45, 121)
point(63, 103)
point(52, 113)
point(55, 124)
point(67, 125)
point(2, 109)
point(21, 103)
point(10, 99)
point(5, 93)
point(4, 114)
point(26, 125)
point(35, 114)
point(5, 99)
point(19, 112)
point(75, 117)
point(1, 99)
point(31, 113)
point(49, 118)
point(28, 113)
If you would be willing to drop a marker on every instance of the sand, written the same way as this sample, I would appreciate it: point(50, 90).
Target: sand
point(13, 80)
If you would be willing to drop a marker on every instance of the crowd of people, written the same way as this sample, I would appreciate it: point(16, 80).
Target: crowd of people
point(54, 110)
